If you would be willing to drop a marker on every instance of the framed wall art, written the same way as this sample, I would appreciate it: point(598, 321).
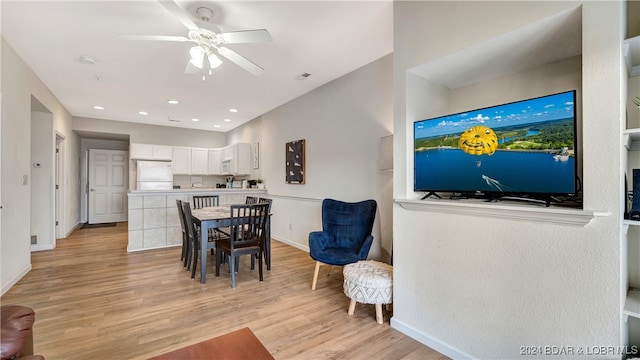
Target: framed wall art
point(294, 162)
point(255, 153)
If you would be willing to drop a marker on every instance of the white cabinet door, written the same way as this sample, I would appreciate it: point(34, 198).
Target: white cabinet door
point(151, 152)
point(227, 153)
point(199, 162)
point(141, 151)
point(243, 159)
point(181, 160)
point(162, 152)
point(215, 156)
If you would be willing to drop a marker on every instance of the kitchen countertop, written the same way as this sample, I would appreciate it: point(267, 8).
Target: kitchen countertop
point(196, 190)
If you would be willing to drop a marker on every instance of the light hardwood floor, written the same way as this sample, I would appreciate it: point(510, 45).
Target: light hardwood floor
point(93, 300)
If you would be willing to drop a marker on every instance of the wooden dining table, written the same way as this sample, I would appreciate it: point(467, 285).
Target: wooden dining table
point(220, 217)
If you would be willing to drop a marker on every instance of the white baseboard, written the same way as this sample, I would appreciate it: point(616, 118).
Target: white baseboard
point(430, 341)
point(153, 248)
point(15, 279)
point(36, 247)
point(290, 243)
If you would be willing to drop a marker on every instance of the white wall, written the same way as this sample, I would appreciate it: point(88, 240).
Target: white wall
point(481, 287)
point(18, 84)
point(150, 134)
point(342, 123)
point(42, 180)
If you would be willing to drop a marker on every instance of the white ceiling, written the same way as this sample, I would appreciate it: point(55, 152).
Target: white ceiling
point(324, 38)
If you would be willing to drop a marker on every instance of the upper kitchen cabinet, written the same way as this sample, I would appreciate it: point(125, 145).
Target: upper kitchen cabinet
point(150, 152)
point(181, 160)
point(236, 159)
point(199, 161)
point(215, 157)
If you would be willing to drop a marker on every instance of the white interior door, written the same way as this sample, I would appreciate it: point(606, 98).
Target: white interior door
point(107, 186)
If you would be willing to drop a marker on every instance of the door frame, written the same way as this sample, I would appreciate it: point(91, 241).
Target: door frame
point(59, 188)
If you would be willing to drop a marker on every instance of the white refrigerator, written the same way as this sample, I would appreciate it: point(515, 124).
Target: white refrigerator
point(154, 175)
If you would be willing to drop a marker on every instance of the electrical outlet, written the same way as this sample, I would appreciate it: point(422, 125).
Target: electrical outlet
point(25, 179)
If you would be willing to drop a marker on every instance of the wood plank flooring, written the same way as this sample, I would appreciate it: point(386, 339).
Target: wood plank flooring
point(93, 300)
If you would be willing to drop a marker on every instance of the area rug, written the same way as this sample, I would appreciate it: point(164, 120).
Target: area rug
point(237, 345)
point(92, 226)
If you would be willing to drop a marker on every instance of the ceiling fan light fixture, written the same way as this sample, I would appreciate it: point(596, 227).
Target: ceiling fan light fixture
point(214, 61)
point(197, 56)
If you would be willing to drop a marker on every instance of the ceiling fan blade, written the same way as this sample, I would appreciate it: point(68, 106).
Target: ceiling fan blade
point(240, 61)
point(178, 12)
point(246, 36)
point(155, 38)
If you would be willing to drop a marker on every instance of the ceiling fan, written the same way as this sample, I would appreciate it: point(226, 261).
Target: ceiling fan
point(209, 44)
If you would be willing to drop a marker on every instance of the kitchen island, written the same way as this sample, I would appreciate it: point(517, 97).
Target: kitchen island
point(153, 214)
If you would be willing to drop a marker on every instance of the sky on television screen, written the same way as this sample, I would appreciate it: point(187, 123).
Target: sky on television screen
point(552, 107)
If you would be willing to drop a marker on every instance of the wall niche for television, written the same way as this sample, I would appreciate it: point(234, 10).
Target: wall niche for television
point(540, 59)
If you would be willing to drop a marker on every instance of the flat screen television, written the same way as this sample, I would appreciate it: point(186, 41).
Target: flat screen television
point(524, 149)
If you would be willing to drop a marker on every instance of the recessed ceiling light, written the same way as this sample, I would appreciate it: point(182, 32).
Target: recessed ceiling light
point(98, 107)
point(233, 110)
point(227, 120)
point(143, 113)
point(194, 119)
point(216, 126)
point(172, 102)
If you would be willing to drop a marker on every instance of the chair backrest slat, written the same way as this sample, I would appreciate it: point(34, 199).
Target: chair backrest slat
point(251, 200)
point(248, 224)
point(202, 201)
point(262, 200)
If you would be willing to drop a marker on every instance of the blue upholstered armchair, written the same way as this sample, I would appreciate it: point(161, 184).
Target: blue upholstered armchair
point(346, 234)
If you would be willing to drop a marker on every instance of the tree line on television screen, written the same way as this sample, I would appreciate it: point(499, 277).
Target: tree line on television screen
point(549, 135)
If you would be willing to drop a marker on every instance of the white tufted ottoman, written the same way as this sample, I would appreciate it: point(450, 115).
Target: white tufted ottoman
point(368, 282)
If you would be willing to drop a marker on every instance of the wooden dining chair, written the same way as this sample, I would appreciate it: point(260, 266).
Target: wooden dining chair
point(251, 200)
point(194, 240)
point(201, 201)
point(185, 237)
point(246, 237)
point(262, 200)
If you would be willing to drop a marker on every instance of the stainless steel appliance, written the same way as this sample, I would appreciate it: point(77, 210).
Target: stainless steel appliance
point(154, 175)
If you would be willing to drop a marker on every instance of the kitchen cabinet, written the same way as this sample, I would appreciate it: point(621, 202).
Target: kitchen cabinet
point(150, 152)
point(236, 159)
point(199, 161)
point(215, 157)
point(181, 160)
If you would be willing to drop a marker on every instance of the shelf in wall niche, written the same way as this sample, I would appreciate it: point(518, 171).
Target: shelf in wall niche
point(632, 55)
point(631, 222)
point(531, 212)
point(627, 223)
point(632, 304)
point(631, 139)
